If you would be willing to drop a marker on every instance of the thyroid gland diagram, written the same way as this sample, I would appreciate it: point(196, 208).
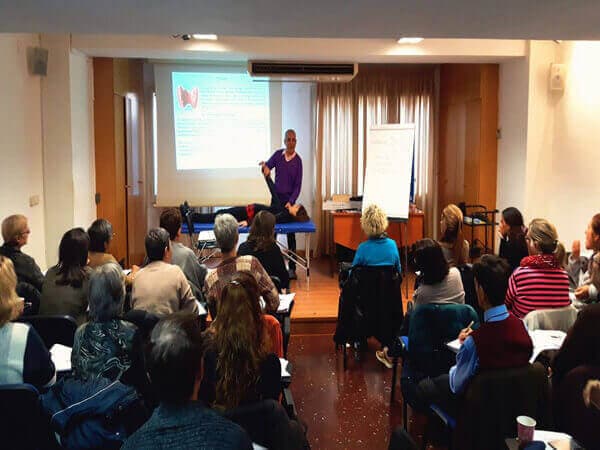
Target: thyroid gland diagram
point(186, 97)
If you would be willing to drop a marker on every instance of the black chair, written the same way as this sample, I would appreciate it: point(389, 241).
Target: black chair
point(285, 318)
point(268, 425)
point(144, 320)
point(22, 422)
point(401, 440)
point(490, 405)
point(370, 304)
point(53, 329)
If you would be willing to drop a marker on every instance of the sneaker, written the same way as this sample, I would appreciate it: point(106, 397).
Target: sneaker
point(292, 274)
point(380, 355)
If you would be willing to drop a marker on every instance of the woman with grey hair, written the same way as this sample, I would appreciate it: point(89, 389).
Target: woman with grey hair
point(107, 346)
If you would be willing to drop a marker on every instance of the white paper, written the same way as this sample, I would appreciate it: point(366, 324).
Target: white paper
point(284, 365)
point(542, 340)
point(201, 309)
point(548, 436)
point(454, 345)
point(61, 357)
point(546, 340)
point(208, 235)
point(285, 301)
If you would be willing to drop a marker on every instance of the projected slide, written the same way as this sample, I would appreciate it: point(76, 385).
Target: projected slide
point(221, 120)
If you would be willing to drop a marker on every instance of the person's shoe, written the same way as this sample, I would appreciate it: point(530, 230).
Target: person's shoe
point(381, 357)
point(292, 274)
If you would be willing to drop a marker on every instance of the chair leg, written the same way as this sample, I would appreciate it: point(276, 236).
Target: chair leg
point(345, 355)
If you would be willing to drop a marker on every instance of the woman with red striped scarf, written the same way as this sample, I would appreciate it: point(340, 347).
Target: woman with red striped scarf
point(540, 282)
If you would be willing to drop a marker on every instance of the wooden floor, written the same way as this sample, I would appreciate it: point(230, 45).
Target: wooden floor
point(316, 303)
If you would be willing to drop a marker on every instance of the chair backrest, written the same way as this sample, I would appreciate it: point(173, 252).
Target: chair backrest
point(371, 303)
point(144, 320)
point(22, 424)
point(551, 319)
point(53, 329)
point(468, 281)
point(493, 401)
point(268, 425)
point(432, 326)
point(571, 414)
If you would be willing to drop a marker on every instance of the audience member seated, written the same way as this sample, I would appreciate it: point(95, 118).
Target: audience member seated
point(378, 250)
point(15, 232)
point(65, 288)
point(161, 287)
point(501, 342)
point(101, 234)
point(540, 282)
point(580, 267)
point(175, 368)
point(581, 346)
point(107, 346)
point(454, 246)
point(183, 256)
point(512, 231)
point(241, 359)
point(261, 244)
point(226, 234)
point(438, 283)
point(23, 356)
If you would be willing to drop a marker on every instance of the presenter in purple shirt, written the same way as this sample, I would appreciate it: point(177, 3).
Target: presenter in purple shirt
point(288, 181)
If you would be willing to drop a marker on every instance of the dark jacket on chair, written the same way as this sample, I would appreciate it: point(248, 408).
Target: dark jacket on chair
point(370, 305)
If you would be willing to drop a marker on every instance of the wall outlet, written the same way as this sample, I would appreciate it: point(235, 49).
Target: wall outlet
point(34, 200)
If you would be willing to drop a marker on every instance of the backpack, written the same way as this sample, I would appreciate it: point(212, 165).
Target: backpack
point(93, 414)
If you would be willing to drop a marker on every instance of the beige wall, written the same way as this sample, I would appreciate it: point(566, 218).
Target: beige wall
point(21, 142)
point(46, 146)
point(550, 139)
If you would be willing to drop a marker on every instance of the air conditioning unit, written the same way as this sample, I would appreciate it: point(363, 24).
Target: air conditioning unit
point(299, 71)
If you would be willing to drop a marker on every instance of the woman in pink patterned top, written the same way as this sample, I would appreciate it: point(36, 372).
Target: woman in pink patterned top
point(539, 282)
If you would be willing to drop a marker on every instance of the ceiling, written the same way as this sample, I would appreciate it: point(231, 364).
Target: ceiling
point(506, 19)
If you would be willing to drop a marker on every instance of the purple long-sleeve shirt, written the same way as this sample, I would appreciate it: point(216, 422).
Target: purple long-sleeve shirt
point(288, 176)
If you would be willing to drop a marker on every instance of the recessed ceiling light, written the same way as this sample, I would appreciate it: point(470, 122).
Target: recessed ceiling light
point(205, 37)
point(409, 40)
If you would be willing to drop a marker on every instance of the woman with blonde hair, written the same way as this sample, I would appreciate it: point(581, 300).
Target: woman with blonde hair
point(454, 246)
point(242, 357)
point(23, 356)
point(540, 282)
point(378, 250)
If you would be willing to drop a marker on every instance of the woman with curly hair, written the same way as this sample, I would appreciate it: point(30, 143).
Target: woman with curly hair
point(378, 250)
point(244, 344)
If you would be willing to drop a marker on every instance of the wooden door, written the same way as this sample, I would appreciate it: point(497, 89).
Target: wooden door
point(135, 187)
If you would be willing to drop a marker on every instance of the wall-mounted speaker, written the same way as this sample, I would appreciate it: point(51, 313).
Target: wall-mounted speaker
point(558, 75)
point(37, 60)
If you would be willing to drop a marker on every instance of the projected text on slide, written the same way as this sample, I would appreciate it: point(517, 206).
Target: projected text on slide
point(221, 120)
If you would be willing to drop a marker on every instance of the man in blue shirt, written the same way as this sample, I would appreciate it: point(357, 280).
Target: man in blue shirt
point(501, 342)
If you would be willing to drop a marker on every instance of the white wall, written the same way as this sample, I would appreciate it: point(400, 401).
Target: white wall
point(575, 195)
point(21, 142)
point(547, 154)
point(82, 139)
point(297, 113)
point(512, 122)
point(69, 182)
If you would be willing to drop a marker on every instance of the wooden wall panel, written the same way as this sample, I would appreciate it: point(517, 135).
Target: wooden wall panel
point(468, 121)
